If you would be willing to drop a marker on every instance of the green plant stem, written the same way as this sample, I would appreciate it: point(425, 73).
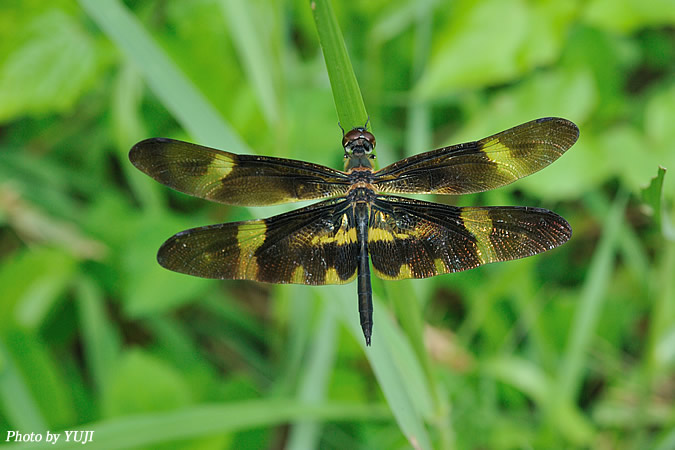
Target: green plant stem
point(349, 104)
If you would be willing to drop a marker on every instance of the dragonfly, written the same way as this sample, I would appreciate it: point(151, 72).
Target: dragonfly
point(358, 222)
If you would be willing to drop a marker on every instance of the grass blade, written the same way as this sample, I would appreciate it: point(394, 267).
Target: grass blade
point(19, 407)
point(180, 96)
point(590, 302)
point(397, 370)
point(305, 434)
point(100, 340)
point(149, 430)
point(348, 100)
point(588, 314)
point(255, 56)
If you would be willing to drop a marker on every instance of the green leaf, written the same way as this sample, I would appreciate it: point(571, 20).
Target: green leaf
point(31, 285)
point(652, 195)
point(492, 42)
point(51, 69)
point(629, 15)
point(140, 383)
point(470, 53)
point(348, 100)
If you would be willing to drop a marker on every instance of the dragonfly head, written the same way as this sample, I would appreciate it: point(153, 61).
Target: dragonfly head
point(359, 144)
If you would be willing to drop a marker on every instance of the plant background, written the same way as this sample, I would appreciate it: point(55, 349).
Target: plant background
point(573, 348)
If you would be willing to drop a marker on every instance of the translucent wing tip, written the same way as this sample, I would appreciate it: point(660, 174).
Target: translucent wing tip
point(563, 125)
point(138, 154)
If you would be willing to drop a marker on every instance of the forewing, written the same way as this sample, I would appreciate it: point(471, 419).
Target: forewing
point(481, 165)
point(414, 239)
point(313, 245)
point(225, 177)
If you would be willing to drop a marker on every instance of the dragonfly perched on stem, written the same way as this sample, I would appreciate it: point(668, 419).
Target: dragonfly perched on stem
point(360, 223)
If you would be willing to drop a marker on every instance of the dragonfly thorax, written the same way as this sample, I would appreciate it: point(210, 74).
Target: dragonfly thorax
point(361, 195)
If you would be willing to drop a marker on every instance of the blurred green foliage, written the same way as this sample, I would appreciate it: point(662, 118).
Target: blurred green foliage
point(570, 349)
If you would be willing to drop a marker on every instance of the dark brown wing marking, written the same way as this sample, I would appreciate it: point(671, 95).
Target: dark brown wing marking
point(481, 165)
point(224, 177)
point(313, 245)
point(415, 239)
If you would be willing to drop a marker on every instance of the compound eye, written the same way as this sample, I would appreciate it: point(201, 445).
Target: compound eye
point(352, 135)
point(368, 136)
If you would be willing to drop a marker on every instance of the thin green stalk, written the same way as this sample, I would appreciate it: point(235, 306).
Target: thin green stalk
point(588, 312)
point(658, 352)
point(314, 381)
point(101, 341)
point(349, 104)
point(408, 396)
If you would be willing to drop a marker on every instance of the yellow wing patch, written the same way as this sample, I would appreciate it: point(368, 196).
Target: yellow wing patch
point(478, 222)
point(381, 230)
point(345, 235)
point(507, 162)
